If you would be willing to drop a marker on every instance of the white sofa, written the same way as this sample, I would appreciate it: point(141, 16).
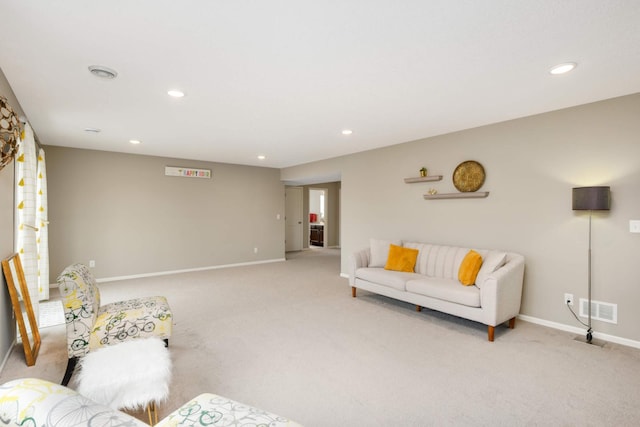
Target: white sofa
point(493, 299)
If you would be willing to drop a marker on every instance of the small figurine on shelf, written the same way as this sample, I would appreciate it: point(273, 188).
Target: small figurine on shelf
point(432, 191)
point(423, 171)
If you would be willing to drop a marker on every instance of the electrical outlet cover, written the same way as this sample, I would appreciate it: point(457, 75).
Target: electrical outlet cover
point(568, 297)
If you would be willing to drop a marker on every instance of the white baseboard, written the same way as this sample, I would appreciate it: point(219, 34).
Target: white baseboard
point(568, 328)
point(186, 270)
point(560, 326)
point(6, 356)
point(580, 331)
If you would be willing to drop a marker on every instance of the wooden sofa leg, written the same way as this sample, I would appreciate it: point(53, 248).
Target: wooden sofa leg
point(166, 342)
point(353, 291)
point(418, 308)
point(71, 365)
point(492, 329)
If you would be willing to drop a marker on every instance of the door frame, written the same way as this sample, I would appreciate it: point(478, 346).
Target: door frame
point(300, 226)
point(327, 220)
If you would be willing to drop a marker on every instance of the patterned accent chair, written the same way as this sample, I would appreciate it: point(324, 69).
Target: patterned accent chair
point(91, 326)
point(210, 409)
point(31, 402)
point(34, 402)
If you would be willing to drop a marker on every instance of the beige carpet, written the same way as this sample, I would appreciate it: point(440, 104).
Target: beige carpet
point(287, 337)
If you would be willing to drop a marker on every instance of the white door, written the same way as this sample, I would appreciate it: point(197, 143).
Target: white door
point(293, 219)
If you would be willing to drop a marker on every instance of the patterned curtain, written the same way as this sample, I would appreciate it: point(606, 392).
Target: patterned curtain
point(26, 213)
point(42, 236)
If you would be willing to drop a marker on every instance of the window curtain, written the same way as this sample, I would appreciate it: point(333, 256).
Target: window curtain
point(42, 236)
point(26, 240)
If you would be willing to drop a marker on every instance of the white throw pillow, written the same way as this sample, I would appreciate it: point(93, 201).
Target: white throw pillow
point(492, 261)
point(380, 251)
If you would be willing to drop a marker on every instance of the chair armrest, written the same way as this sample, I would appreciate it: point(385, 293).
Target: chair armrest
point(501, 293)
point(358, 260)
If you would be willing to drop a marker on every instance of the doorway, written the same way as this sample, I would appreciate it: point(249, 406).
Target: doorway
point(318, 217)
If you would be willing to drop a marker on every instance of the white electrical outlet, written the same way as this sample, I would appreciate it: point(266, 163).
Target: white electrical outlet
point(255, 250)
point(568, 299)
point(92, 263)
point(634, 226)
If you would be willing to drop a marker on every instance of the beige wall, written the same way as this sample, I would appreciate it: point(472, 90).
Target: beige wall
point(531, 165)
point(123, 212)
point(7, 327)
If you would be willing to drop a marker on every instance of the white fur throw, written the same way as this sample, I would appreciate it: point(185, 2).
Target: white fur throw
point(129, 375)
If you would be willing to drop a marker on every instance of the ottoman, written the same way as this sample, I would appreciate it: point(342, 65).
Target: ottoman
point(131, 375)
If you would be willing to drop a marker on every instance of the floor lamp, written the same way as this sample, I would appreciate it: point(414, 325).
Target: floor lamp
point(591, 199)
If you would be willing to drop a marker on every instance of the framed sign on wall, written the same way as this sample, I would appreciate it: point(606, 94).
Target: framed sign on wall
point(187, 172)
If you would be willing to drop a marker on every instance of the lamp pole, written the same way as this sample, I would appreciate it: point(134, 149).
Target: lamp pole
point(590, 199)
point(589, 330)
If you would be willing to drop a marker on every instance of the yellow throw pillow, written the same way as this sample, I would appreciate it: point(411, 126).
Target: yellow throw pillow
point(469, 268)
point(401, 259)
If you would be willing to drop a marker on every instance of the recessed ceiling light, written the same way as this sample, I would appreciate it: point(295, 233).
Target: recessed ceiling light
point(103, 72)
point(92, 130)
point(134, 141)
point(563, 68)
point(261, 157)
point(347, 132)
point(175, 93)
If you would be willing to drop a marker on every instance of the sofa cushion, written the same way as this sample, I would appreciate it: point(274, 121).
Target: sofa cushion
point(437, 260)
point(469, 268)
point(401, 259)
point(493, 260)
point(380, 251)
point(444, 261)
point(120, 321)
point(423, 254)
point(380, 276)
point(446, 290)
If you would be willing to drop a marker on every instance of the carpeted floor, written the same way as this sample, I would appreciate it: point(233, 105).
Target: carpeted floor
point(288, 337)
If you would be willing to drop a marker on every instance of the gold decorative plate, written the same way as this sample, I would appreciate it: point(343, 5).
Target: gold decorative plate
point(468, 176)
point(9, 133)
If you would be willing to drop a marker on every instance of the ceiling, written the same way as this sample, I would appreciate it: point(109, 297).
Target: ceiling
point(283, 78)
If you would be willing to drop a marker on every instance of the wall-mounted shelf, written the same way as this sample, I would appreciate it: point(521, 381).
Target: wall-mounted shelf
point(427, 178)
point(470, 195)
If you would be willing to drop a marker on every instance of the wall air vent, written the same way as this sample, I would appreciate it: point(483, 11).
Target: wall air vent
point(603, 311)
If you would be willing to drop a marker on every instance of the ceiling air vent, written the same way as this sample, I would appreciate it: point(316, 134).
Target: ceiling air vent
point(103, 72)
